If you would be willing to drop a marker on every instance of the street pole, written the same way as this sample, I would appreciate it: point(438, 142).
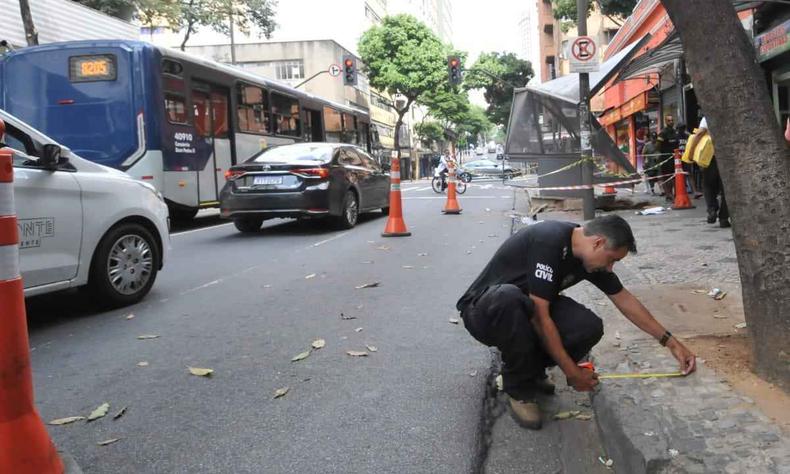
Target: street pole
point(588, 195)
point(232, 40)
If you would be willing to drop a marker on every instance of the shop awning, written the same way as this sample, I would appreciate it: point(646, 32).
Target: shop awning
point(653, 61)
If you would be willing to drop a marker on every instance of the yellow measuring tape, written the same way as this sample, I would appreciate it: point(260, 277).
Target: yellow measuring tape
point(639, 376)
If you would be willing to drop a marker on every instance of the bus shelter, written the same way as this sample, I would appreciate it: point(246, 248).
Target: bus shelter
point(544, 128)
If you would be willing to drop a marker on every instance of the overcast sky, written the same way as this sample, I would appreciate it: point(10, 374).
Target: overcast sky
point(491, 25)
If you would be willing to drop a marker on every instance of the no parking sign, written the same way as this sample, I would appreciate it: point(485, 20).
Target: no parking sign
point(584, 55)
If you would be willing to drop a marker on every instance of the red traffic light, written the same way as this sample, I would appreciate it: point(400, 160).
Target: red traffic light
point(349, 62)
point(454, 62)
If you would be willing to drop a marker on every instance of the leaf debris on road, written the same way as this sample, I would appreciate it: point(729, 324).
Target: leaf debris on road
point(358, 329)
point(372, 348)
point(142, 363)
point(200, 372)
point(422, 254)
point(130, 316)
point(312, 275)
point(407, 267)
point(301, 356)
point(346, 318)
point(120, 413)
point(280, 392)
point(564, 415)
point(374, 284)
point(99, 412)
point(740, 325)
point(108, 441)
point(318, 344)
point(66, 421)
point(382, 247)
point(148, 336)
point(453, 320)
point(357, 353)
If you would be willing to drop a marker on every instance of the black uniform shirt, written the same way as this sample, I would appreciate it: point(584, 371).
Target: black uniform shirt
point(668, 140)
point(539, 260)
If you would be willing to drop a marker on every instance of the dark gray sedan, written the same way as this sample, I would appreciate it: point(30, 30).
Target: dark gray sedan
point(303, 180)
point(483, 168)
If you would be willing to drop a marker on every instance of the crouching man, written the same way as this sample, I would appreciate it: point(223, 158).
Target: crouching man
point(515, 305)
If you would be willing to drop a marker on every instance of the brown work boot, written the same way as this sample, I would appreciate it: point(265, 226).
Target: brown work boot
point(526, 413)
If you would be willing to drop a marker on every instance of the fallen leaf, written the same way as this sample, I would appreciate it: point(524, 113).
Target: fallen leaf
point(564, 415)
point(148, 336)
point(108, 441)
point(267, 286)
point(422, 254)
point(382, 247)
point(583, 416)
point(99, 412)
point(142, 363)
point(66, 421)
point(280, 392)
point(300, 356)
point(498, 381)
point(318, 344)
point(312, 275)
point(357, 353)
point(488, 209)
point(720, 316)
point(358, 330)
point(473, 373)
point(372, 348)
point(720, 296)
point(346, 318)
point(120, 413)
point(674, 453)
point(369, 285)
point(200, 372)
point(131, 316)
point(469, 252)
point(453, 320)
point(700, 292)
point(740, 325)
point(368, 261)
point(617, 335)
point(407, 267)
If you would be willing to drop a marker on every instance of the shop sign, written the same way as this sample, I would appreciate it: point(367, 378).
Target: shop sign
point(633, 106)
point(774, 42)
point(610, 117)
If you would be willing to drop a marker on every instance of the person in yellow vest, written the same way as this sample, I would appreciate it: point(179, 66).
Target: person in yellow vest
point(700, 149)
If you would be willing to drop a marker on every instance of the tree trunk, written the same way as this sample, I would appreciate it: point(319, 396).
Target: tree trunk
point(31, 35)
point(753, 160)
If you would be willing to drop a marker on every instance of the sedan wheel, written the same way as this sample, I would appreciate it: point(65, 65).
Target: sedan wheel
point(350, 214)
point(248, 225)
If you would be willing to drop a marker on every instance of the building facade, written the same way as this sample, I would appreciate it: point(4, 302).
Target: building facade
point(56, 20)
point(529, 38)
point(599, 27)
point(549, 42)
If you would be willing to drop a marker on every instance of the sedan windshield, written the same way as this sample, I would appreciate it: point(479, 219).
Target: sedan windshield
point(297, 152)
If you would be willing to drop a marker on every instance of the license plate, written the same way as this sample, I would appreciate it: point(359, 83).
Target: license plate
point(267, 180)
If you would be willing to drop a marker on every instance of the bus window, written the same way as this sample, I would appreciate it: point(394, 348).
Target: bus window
point(175, 109)
point(285, 112)
point(349, 129)
point(253, 109)
point(332, 127)
point(172, 67)
point(200, 112)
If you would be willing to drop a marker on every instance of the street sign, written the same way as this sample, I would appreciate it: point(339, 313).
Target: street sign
point(334, 70)
point(584, 55)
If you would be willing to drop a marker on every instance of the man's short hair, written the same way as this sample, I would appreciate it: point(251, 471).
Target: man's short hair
point(614, 229)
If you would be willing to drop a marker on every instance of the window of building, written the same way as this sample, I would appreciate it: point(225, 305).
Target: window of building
point(548, 28)
point(253, 109)
point(285, 112)
point(380, 101)
point(290, 69)
point(565, 50)
point(609, 34)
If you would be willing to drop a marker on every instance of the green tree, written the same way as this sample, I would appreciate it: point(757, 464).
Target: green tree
point(616, 10)
point(475, 123)
point(498, 74)
point(429, 132)
point(403, 56)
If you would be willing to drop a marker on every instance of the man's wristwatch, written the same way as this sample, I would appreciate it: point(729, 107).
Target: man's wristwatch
point(665, 338)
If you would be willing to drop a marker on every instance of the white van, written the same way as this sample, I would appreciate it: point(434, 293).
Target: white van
point(81, 223)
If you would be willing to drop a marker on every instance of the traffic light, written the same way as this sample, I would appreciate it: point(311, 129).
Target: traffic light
point(454, 70)
point(349, 70)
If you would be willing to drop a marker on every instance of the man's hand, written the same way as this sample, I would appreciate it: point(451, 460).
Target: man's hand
point(687, 359)
point(582, 380)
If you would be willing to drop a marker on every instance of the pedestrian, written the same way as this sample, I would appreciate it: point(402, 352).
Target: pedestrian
point(651, 155)
point(515, 305)
point(667, 144)
point(712, 186)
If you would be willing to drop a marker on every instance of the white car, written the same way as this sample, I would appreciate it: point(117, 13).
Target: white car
point(81, 223)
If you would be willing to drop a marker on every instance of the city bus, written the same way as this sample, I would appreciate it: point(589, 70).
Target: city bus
point(163, 116)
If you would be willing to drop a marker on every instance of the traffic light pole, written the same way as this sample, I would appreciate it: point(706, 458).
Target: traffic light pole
point(588, 195)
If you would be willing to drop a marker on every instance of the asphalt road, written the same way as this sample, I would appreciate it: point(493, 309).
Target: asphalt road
point(243, 306)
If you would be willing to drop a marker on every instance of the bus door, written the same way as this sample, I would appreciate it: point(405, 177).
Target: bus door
point(314, 130)
point(210, 108)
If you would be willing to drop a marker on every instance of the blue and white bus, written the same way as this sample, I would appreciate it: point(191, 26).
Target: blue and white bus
point(163, 116)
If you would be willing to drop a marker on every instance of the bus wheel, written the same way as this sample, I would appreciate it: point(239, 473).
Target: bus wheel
point(182, 214)
point(124, 265)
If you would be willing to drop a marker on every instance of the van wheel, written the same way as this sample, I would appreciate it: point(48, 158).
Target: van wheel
point(125, 265)
point(248, 224)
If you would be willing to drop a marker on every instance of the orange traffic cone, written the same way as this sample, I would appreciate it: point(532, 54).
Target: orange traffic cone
point(682, 200)
point(395, 226)
point(25, 446)
point(607, 190)
point(451, 206)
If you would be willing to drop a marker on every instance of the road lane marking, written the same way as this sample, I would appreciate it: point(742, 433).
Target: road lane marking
point(201, 229)
point(318, 244)
point(211, 283)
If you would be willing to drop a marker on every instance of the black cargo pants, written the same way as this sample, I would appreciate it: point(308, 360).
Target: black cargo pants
point(501, 317)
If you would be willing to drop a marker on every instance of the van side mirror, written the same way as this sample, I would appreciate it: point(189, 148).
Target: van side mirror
point(50, 156)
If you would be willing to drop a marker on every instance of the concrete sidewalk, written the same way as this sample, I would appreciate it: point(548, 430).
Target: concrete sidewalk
point(694, 424)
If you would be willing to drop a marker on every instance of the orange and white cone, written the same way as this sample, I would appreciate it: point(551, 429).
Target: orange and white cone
point(609, 190)
point(451, 206)
point(682, 200)
point(395, 227)
point(25, 446)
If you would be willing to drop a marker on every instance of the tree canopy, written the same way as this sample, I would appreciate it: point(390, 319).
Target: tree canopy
point(475, 123)
point(498, 74)
point(566, 9)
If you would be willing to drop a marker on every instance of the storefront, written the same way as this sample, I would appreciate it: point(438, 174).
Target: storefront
point(773, 52)
point(631, 123)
